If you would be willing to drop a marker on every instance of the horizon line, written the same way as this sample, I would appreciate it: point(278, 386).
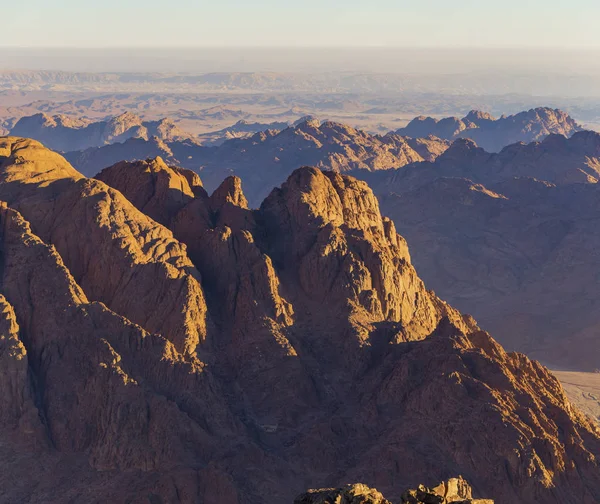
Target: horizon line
point(307, 47)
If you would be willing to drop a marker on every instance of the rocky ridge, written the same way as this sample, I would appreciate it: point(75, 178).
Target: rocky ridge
point(267, 158)
point(292, 331)
point(65, 133)
point(494, 134)
point(510, 237)
point(455, 490)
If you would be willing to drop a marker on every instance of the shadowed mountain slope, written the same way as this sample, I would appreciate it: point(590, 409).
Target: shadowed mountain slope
point(509, 238)
point(65, 133)
point(301, 350)
point(493, 134)
point(504, 252)
point(266, 159)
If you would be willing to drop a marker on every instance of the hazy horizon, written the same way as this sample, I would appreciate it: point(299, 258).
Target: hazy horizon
point(387, 60)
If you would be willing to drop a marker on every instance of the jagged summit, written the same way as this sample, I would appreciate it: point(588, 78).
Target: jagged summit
point(477, 116)
point(464, 149)
point(494, 134)
point(309, 122)
point(214, 351)
point(328, 145)
point(556, 159)
point(272, 153)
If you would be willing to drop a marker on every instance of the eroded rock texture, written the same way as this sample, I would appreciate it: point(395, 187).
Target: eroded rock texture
point(117, 254)
point(510, 237)
point(350, 494)
point(455, 490)
point(213, 353)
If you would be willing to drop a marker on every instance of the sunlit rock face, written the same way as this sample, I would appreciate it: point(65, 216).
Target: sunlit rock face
point(209, 352)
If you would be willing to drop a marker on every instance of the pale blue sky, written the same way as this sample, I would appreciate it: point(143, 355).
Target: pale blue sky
point(153, 23)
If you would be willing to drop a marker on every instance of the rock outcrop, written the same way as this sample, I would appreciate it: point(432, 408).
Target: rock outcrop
point(455, 490)
point(350, 494)
point(294, 347)
point(494, 134)
point(18, 410)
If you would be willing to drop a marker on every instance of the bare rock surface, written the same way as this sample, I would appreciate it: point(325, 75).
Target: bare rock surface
point(511, 238)
point(121, 243)
point(351, 494)
point(294, 347)
point(455, 490)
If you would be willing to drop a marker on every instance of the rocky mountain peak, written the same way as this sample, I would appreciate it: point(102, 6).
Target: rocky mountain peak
point(66, 133)
point(586, 141)
point(476, 116)
point(309, 121)
point(308, 125)
point(232, 354)
point(495, 134)
point(46, 190)
point(161, 194)
point(229, 192)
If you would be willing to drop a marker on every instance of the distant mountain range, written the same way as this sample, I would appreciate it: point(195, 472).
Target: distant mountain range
point(241, 129)
point(475, 82)
point(269, 157)
point(65, 133)
point(493, 134)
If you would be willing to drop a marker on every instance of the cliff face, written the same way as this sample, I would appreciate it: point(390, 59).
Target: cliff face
point(126, 260)
point(494, 134)
point(18, 408)
point(266, 351)
point(511, 238)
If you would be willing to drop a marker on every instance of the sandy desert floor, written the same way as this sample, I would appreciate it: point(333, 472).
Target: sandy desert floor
point(583, 390)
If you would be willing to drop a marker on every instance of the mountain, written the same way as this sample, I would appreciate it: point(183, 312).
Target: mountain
point(90, 161)
point(164, 344)
point(511, 238)
point(273, 156)
point(493, 134)
point(266, 159)
point(556, 159)
point(64, 133)
point(514, 283)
